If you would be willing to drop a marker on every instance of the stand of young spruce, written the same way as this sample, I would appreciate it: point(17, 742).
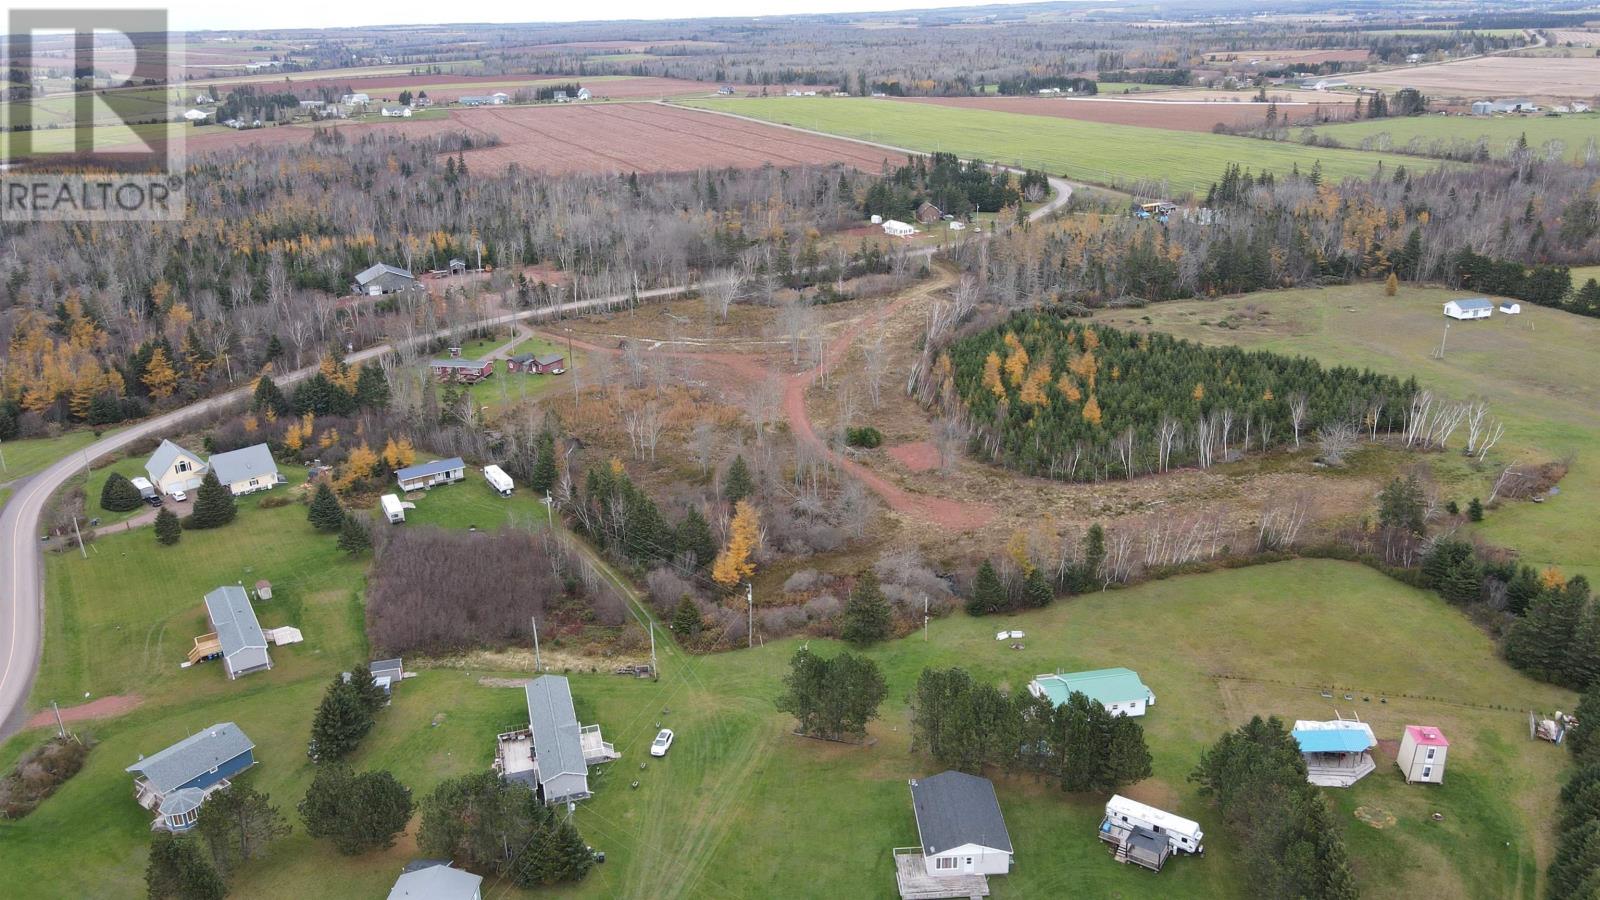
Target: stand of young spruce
point(213, 505)
point(498, 827)
point(866, 616)
point(119, 494)
point(988, 594)
point(358, 812)
point(832, 698)
point(737, 484)
point(686, 618)
point(237, 824)
point(325, 515)
point(178, 870)
point(354, 538)
point(168, 529)
point(345, 715)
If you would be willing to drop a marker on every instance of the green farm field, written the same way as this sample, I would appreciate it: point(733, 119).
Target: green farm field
point(1112, 155)
point(1418, 133)
point(1539, 372)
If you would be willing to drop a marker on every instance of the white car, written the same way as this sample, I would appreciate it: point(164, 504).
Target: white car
point(179, 496)
point(662, 742)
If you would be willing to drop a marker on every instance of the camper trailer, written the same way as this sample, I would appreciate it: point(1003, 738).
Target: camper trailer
point(1147, 836)
point(394, 509)
point(498, 479)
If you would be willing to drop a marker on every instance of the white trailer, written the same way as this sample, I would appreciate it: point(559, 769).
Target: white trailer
point(1183, 834)
point(145, 488)
point(394, 509)
point(498, 479)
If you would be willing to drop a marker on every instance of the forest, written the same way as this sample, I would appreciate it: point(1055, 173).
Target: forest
point(956, 187)
point(1070, 401)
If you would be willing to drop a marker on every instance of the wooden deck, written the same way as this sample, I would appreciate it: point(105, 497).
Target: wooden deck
point(916, 884)
point(205, 645)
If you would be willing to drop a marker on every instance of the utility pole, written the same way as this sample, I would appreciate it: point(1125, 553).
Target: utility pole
point(549, 512)
point(61, 727)
point(80, 538)
point(571, 371)
point(924, 618)
point(653, 670)
point(3, 467)
point(537, 665)
point(750, 607)
point(1443, 339)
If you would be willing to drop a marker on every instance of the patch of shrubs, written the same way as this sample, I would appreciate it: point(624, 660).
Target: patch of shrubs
point(866, 437)
point(38, 773)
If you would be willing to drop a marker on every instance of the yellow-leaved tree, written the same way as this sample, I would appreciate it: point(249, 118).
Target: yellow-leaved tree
point(1091, 411)
point(991, 375)
point(733, 564)
point(360, 464)
point(159, 375)
point(399, 454)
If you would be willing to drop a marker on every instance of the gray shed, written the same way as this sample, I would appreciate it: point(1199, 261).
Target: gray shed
point(557, 748)
point(384, 279)
point(244, 646)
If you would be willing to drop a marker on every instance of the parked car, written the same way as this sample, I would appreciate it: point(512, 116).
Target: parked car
point(662, 743)
point(154, 500)
point(179, 496)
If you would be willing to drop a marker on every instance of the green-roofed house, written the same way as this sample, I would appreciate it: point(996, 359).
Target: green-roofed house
point(1119, 690)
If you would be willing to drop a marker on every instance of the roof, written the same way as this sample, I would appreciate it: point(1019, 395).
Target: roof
point(1473, 303)
point(182, 801)
point(548, 359)
point(165, 455)
point(386, 665)
point(459, 363)
point(1161, 817)
point(1427, 735)
point(1107, 686)
point(555, 728)
point(374, 271)
point(243, 464)
point(193, 756)
point(234, 619)
point(440, 881)
point(521, 358)
point(954, 808)
point(1333, 737)
point(1141, 838)
point(434, 467)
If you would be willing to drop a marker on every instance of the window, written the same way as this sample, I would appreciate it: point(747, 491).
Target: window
point(213, 770)
point(1427, 771)
point(182, 466)
point(255, 482)
point(1430, 754)
point(944, 862)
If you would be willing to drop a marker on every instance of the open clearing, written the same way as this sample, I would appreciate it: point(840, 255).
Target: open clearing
point(1172, 115)
point(1501, 132)
point(1496, 76)
point(1113, 155)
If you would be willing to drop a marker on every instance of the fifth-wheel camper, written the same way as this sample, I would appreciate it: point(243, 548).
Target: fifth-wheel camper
point(498, 479)
point(394, 509)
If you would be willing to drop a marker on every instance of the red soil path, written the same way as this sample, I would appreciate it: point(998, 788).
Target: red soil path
point(1174, 116)
point(919, 456)
point(103, 708)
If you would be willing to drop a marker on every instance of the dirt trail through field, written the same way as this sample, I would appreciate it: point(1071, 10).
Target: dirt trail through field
point(102, 708)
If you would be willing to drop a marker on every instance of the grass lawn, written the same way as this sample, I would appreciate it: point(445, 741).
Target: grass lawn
point(1112, 155)
point(1539, 371)
point(27, 456)
point(1132, 87)
point(507, 389)
point(1418, 133)
point(1582, 274)
point(725, 812)
point(472, 503)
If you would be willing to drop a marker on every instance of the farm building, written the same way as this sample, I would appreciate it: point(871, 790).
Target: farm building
point(498, 479)
point(537, 363)
point(247, 470)
point(963, 836)
point(897, 228)
point(928, 214)
point(1335, 752)
point(554, 752)
point(382, 278)
point(174, 469)
point(235, 634)
point(1422, 752)
point(498, 98)
point(196, 115)
point(394, 509)
point(1511, 307)
point(583, 94)
point(174, 782)
point(428, 474)
point(312, 104)
point(1146, 836)
point(1469, 308)
point(436, 879)
point(468, 371)
point(1119, 690)
point(353, 99)
point(1510, 105)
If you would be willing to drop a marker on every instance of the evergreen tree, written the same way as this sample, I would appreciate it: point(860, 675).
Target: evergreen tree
point(1475, 510)
point(1522, 589)
point(325, 515)
point(544, 464)
point(988, 594)
point(559, 854)
point(274, 349)
point(694, 539)
point(268, 397)
point(1126, 757)
point(1400, 505)
point(372, 695)
point(168, 529)
point(1085, 573)
point(213, 504)
point(237, 824)
point(372, 388)
point(686, 618)
point(119, 494)
point(1036, 591)
point(737, 484)
point(104, 409)
point(1582, 742)
point(341, 722)
point(867, 617)
point(358, 812)
point(179, 870)
point(353, 536)
point(830, 698)
point(499, 826)
point(1539, 642)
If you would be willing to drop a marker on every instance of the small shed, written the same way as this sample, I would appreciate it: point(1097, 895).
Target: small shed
point(458, 266)
point(263, 589)
point(428, 474)
point(897, 228)
point(1511, 307)
point(1422, 753)
point(1469, 308)
point(388, 672)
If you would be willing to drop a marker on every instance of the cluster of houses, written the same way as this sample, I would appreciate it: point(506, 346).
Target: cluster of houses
point(174, 471)
point(470, 371)
point(1467, 308)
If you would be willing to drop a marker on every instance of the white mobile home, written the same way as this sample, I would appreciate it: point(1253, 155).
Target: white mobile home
point(498, 479)
point(1422, 752)
point(1147, 836)
point(1469, 308)
point(394, 509)
point(240, 641)
point(426, 475)
point(897, 228)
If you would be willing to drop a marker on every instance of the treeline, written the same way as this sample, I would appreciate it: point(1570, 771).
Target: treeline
point(956, 187)
point(1543, 285)
point(1033, 84)
point(1074, 402)
point(1149, 76)
point(1575, 870)
point(969, 725)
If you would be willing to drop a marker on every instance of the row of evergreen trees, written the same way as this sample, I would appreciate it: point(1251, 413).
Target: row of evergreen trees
point(616, 514)
point(1575, 870)
point(966, 724)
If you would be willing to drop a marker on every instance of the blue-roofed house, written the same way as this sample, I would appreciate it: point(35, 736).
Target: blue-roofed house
point(1336, 752)
point(1469, 308)
point(425, 475)
point(1119, 690)
point(246, 470)
point(237, 635)
point(174, 782)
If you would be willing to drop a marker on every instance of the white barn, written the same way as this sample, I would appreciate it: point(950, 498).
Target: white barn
point(897, 228)
point(1469, 308)
point(1422, 752)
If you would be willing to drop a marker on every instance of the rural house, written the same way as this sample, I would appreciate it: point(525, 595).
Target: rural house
point(583, 94)
point(1146, 836)
point(963, 837)
point(554, 752)
point(1422, 753)
point(174, 782)
point(172, 468)
point(1119, 690)
point(1470, 308)
point(1335, 752)
point(468, 371)
point(235, 636)
point(395, 112)
point(927, 213)
point(436, 879)
point(897, 228)
point(426, 475)
point(382, 278)
point(537, 364)
point(353, 99)
point(247, 470)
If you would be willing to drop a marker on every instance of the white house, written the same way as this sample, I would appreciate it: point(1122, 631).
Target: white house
point(1469, 308)
point(395, 112)
point(394, 509)
point(172, 468)
point(897, 228)
point(1147, 836)
point(247, 470)
point(1335, 752)
point(583, 93)
point(1119, 690)
point(498, 479)
point(963, 835)
point(196, 115)
point(1422, 752)
point(426, 475)
point(1511, 307)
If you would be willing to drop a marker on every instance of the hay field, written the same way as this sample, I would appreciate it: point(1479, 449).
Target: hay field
point(1495, 76)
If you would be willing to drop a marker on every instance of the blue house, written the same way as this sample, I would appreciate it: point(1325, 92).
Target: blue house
point(174, 782)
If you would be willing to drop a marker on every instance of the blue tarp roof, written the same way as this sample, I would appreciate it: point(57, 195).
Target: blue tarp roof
point(1332, 740)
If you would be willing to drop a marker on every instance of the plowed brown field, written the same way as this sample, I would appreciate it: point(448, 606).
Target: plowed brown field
point(1176, 116)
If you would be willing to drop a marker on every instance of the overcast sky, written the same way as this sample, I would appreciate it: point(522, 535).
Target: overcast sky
point(235, 15)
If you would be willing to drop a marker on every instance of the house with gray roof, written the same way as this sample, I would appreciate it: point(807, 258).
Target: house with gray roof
point(247, 470)
point(554, 753)
point(239, 639)
point(383, 278)
point(172, 468)
point(174, 782)
point(436, 879)
point(426, 475)
point(964, 838)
